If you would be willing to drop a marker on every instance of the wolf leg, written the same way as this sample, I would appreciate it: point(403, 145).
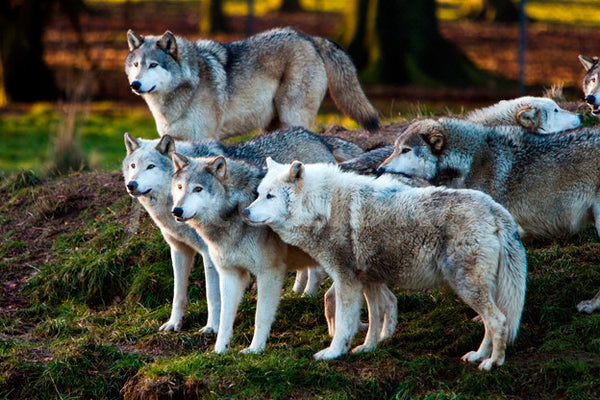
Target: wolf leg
point(348, 299)
point(376, 309)
point(313, 283)
point(232, 284)
point(182, 258)
point(301, 279)
point(213, 296)
point(268, 287)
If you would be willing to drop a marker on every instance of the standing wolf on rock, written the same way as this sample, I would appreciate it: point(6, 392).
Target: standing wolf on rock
point(278, 78)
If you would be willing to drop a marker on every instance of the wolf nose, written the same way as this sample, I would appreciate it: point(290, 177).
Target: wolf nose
point(580, 116)
point(590, 99)
point(380, 171)
point(136, 85)
point(178, 212)
point(131, 186)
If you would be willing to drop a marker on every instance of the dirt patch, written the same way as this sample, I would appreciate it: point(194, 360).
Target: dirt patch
point(35, 215)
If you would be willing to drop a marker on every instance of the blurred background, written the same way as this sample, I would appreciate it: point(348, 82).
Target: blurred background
point(426, 56)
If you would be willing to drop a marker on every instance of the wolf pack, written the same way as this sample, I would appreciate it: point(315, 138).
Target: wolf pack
point(448, 204)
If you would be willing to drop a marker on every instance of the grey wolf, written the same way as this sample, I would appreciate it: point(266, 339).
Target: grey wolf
point(147, 171)
point(208, 194)
point(591, 80)
point(206, 89)
point(365, 231)
point(535, 114)
point(550, 184)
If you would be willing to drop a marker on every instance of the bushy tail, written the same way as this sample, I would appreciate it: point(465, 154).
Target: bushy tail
point(512, 273)
point(341, 149)
point(344, 86)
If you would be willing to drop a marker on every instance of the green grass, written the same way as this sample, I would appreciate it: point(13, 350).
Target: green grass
point(103, 285)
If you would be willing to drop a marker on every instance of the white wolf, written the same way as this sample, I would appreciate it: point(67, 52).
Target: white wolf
point(536, 114)
point(363, 230)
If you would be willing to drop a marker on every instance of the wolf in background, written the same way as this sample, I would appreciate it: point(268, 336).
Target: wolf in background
point(535, 114)
point(147, 171)
point(550, 184)
point(591, 83)
point(365, 231)
point(206, 89)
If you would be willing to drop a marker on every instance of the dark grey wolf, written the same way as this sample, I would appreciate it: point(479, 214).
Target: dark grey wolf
point(591, 83)
point(147, 171)
point(206, 89)
point(365, 231)
point(550, 184)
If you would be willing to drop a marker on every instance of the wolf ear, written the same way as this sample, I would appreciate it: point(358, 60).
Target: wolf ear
point(588, 62)
point(179, 161)
point(134, 40)
point(529, 118)
point(131, 143)
point(272, 164)
point(166, 145)
point(168, 43)
point(218, 167)
point(296, 172)
point(436, 141)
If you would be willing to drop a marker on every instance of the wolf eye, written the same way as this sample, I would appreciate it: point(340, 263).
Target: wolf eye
point(153, 65)
point(179, 187)
point(133, 165)
point(198, 189)
point(270, 196)
point(150, 166)
point(405, 150)
point(135, 64)
point(593, 80)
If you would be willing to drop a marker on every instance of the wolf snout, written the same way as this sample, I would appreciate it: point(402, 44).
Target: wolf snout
point(178, 212)
point(590, 99)
point(132, 186)
point(136, 85)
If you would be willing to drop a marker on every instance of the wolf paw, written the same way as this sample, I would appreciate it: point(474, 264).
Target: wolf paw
point(471, 357)
point(585, 307)
point(486, 364)
point(250, 350)
point(221, 349)
point(170, 326)
point(208, 330)
point(363, 348)
point(327, 354)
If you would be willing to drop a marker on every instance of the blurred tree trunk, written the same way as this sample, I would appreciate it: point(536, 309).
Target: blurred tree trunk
point(212, 17)
point(406, 47)
point(290, 6)
point(24, 74)
point(490, 10)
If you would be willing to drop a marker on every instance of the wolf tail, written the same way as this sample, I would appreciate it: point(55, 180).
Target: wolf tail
point(512, 273)
point(344, 86)
point(342, 149)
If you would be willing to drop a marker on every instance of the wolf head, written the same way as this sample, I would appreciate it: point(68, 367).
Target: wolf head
point(543, 115)
point(199, 188)
point(416, 151)
point(152, 62)
point(591, 80)
point(147, 168)
point(276, 194)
